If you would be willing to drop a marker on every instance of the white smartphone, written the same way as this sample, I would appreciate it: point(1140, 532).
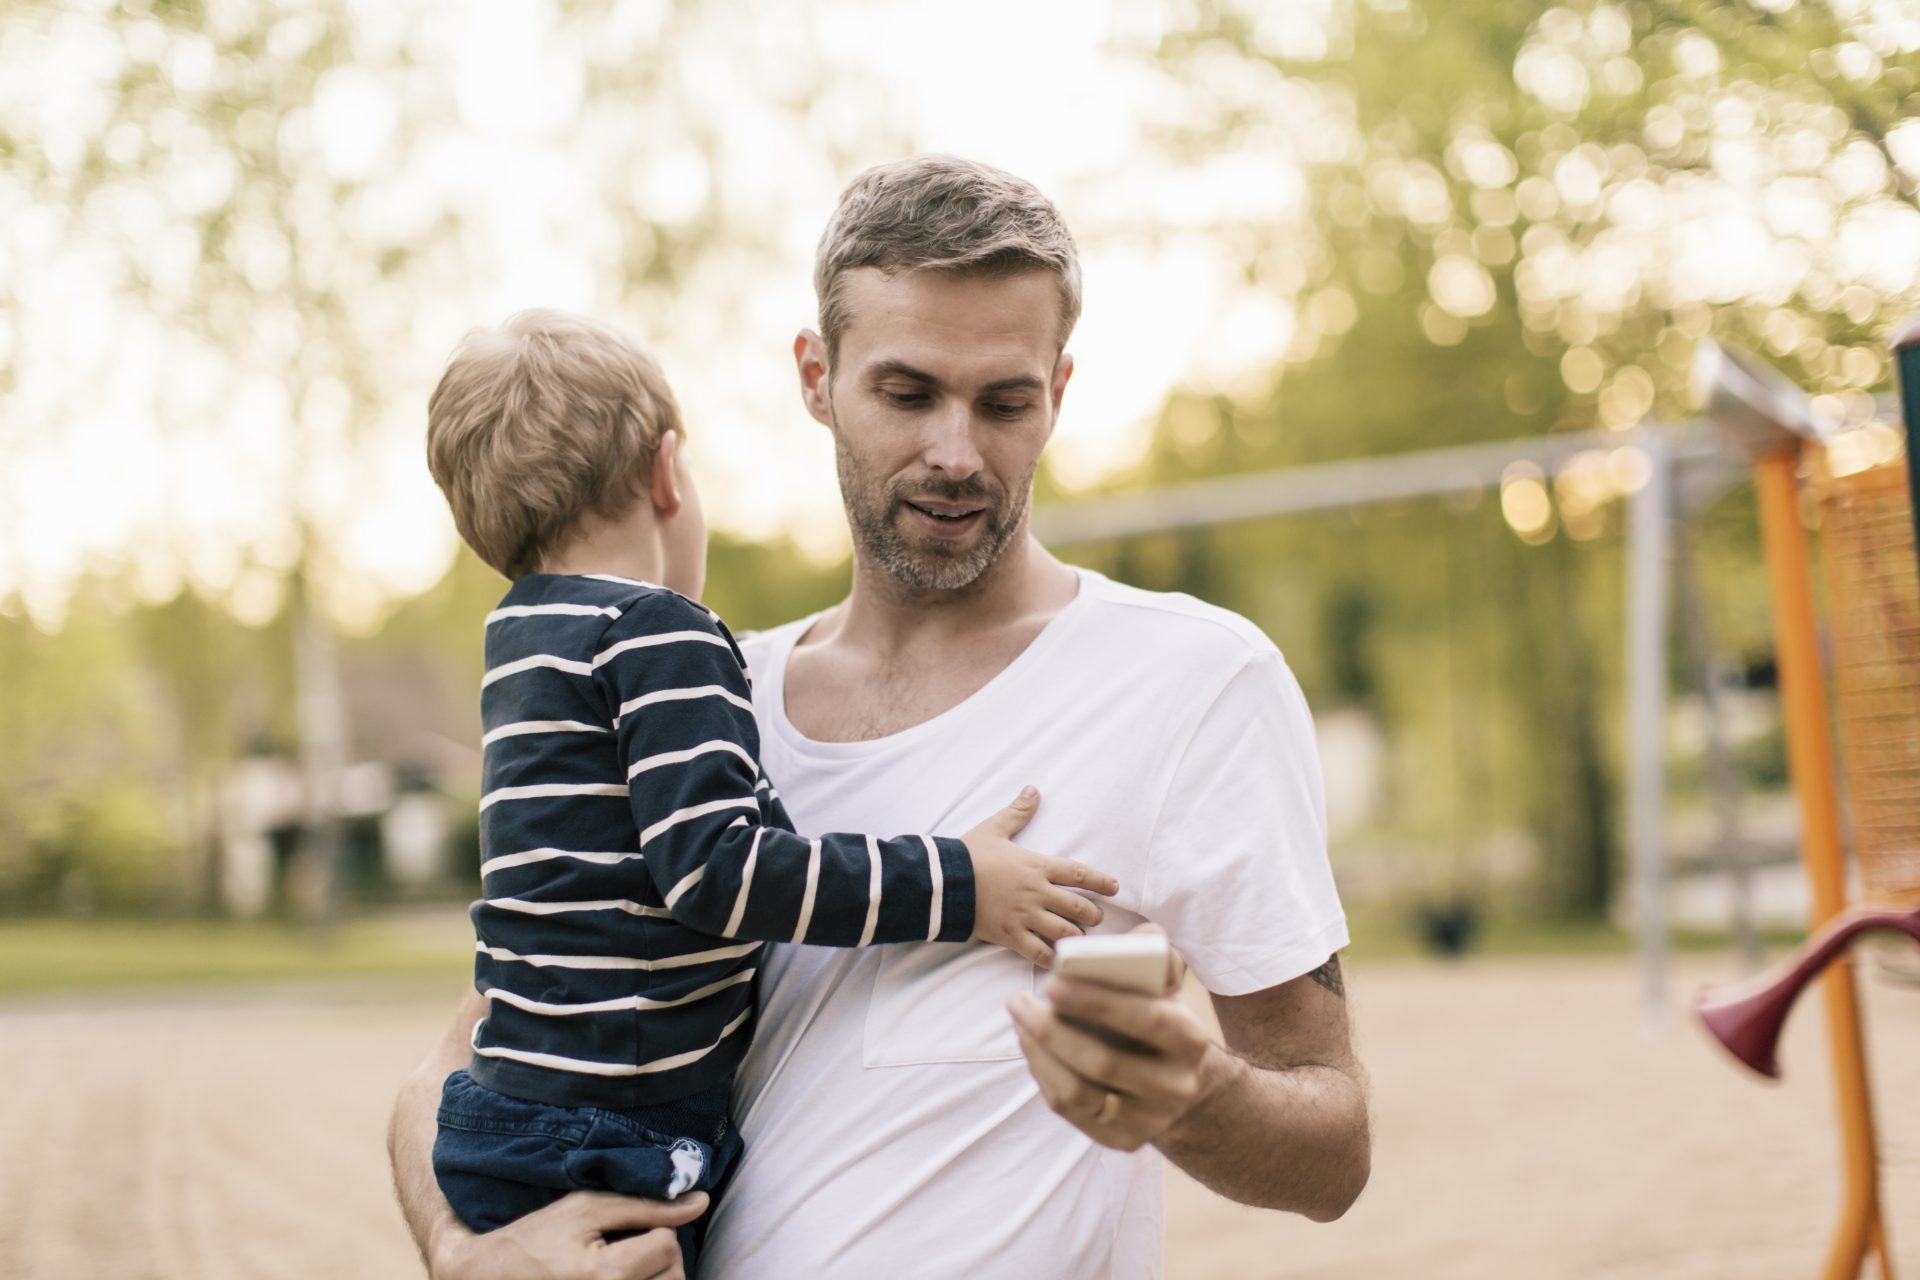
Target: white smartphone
point(1129, 961)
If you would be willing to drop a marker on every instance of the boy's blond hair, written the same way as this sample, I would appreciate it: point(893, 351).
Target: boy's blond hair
point(537, 425)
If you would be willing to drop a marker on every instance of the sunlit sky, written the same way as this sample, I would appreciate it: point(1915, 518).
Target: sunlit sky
point(127, 445)
point(120, 478)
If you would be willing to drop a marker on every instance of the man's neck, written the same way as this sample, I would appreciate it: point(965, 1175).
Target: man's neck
point(885, 615)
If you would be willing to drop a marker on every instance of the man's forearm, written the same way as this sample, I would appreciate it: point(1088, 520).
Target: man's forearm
point(1279, 1137)
point(410, 1134)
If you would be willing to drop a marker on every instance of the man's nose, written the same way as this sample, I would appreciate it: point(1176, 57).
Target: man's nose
point(951, 448)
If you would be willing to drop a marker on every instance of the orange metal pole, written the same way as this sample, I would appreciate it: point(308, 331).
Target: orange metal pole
point(1810, 761)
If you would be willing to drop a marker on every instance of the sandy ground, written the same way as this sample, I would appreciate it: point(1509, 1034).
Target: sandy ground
point(1526, 1127)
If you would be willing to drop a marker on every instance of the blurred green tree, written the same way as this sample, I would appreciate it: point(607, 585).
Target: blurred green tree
point(281, 213)
point(1494, 220)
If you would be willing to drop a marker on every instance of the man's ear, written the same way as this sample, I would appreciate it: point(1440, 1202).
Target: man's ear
point(663, 485)
point(1062, 371)
point(810, 359)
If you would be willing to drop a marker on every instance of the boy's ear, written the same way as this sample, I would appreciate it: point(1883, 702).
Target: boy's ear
point(663, 485)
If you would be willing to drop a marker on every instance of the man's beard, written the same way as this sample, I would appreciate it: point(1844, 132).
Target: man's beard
point(873, 510)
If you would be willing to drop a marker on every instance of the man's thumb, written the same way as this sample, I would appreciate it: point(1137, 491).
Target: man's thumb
point(609, 1212)
point(1008, 822)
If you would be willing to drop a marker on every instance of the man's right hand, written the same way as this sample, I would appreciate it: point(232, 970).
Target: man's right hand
point(567, 1241)
point(1020, 898)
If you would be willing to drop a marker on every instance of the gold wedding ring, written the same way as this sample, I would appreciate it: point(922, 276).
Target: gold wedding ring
point(1110, 1109)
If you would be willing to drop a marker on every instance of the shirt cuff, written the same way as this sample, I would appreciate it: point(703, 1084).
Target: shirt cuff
point(956, 894)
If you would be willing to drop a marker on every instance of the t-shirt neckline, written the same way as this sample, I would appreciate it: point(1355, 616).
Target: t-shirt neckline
point(791, 737)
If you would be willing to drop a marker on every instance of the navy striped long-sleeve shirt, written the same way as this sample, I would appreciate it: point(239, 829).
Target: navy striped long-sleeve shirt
point(635, 860)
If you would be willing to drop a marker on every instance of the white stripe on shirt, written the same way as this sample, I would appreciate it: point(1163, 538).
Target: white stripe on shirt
point(680, 757)
point(558, 1063)
point(611, 652)
point(694, 1055)
point(686, 884)
point(680, 695)
point(939, 885)
point(689, 813)
point(543, 726)
point(622, 1004)
point(538, 660)
point(873, 891)
point(627, 582)
point(540, 610)
point(618, 962)
point(806, 898)
point(628, 905)
point(746, 879)
point(543, 790)
point(508, 860)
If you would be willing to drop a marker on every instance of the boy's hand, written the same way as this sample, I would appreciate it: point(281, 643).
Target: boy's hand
point(1019, 897)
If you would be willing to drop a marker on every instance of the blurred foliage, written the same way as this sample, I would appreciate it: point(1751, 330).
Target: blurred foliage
point(1480, 220)
point(115, 730)
point(1516, 221)
point(283, 203)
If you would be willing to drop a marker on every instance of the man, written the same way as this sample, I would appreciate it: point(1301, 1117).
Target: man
point(895, 1102)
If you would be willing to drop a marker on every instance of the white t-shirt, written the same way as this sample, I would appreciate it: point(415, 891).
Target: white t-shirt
point(892, 1128)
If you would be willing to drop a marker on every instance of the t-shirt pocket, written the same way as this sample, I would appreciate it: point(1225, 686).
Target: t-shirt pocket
point(944, 1002)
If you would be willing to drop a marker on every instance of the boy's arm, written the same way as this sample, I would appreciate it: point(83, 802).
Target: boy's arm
point(683, 715)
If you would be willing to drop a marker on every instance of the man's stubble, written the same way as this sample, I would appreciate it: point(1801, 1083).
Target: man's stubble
point(873, 507)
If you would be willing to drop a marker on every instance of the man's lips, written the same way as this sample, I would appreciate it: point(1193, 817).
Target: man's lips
point(945, 519)
point(947, 510)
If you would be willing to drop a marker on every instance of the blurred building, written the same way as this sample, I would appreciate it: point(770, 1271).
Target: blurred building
point(402, 805)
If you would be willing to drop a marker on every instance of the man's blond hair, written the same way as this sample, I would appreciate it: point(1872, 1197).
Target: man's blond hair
point(942, 213)
point(537, 425)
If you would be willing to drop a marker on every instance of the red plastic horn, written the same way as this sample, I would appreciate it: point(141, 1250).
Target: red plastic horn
point(1747, 1018)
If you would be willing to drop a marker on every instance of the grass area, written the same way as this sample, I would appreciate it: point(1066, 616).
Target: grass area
point(1381, 934)
point(50, 956)
point(39, 957)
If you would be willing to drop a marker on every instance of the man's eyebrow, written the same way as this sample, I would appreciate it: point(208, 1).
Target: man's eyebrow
point(1024, 382)
point(900, 369)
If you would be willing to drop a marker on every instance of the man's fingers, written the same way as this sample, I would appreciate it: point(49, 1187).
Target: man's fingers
point(1009, 821)
point(605, 1211)
point(1176, 963)
point(1157, 1021)
point(1102, 1066)
point(1081, 876)
point(1064, 1091)
point(653, 1256)
point(1080, 1100)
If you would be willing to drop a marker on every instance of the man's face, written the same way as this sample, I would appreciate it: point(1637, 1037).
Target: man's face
point(943, 394)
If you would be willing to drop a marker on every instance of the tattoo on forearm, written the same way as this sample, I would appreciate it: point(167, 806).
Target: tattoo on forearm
point(1328, 976)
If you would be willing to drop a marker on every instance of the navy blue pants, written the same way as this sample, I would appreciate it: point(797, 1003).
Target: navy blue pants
point(499, 1158)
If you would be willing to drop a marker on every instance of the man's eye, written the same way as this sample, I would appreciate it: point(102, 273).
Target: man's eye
point(905, 399)
point(1007, 410)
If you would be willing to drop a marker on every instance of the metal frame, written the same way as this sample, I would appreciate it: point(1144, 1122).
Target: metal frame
point(1688, 468)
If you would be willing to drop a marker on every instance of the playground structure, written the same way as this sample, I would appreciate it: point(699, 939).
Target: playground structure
point(1683, 468)
point(1868, 535)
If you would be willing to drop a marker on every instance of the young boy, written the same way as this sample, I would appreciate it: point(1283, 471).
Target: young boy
point(634, 858)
